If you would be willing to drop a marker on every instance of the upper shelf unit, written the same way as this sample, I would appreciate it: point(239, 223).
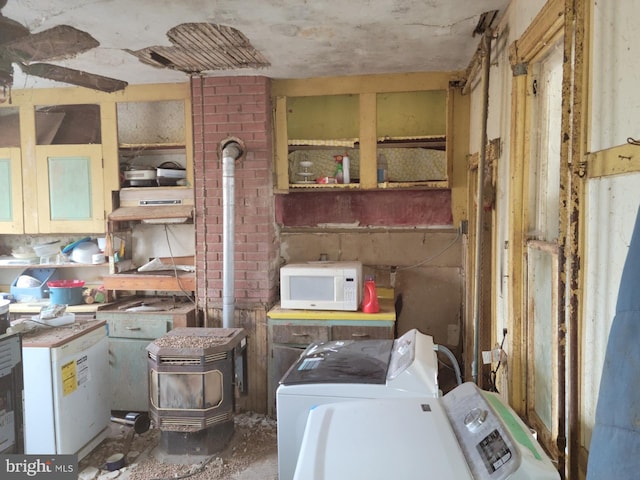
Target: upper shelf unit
point(394, 139)
point(152, 135)
point(152, 208)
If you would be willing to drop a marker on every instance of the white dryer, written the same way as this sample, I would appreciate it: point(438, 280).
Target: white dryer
point(466, 435)
point(338, 371)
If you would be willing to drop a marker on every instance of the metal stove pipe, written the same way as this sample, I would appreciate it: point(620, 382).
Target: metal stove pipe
point(231, 151)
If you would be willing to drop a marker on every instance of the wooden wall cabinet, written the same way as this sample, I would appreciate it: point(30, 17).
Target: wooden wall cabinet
point(396, 124)
point(36, 143)
point(154, 133)
point(68, 185)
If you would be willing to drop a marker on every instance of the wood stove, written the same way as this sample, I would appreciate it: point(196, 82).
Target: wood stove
point(193, 376)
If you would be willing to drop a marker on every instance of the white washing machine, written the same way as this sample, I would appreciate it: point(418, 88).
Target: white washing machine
point(338, 371)
point(468, 434)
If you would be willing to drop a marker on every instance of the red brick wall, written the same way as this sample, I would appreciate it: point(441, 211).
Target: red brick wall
point(388, 208)
point(239, 107)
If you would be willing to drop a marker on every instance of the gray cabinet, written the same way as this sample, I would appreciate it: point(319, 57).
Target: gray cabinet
point(129, 335)
point(128, 340)
point(289, 336)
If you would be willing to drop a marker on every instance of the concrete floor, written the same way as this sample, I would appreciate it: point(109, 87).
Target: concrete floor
point(251, 454)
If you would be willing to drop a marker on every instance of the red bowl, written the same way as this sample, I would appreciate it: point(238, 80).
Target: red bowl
point(65, 283)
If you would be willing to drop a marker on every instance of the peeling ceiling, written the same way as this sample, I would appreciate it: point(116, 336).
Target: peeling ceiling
point(143, 41)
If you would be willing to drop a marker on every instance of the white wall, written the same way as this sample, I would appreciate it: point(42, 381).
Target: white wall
point(615, 73)
point(150, 241)
point(612, 202)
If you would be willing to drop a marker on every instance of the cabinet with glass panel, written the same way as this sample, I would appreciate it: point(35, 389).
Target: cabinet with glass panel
point(52, 170)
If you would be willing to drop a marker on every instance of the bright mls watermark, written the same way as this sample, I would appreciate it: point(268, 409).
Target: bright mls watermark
point(51, 467)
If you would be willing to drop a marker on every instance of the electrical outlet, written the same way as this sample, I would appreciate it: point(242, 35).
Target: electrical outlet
point(453, 334)
point(492, 356)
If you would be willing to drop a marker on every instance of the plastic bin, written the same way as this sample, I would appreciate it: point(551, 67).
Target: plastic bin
point(44, 275)
point(66, 292)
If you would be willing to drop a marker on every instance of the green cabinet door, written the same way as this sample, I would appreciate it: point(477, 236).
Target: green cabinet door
point(70, 189)
point(11, 220)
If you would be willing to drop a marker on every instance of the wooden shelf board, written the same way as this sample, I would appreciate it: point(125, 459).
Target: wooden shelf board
point(151, 281)
point(127, 214)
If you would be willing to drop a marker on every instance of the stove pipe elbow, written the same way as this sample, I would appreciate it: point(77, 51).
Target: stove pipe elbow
point(231, 150)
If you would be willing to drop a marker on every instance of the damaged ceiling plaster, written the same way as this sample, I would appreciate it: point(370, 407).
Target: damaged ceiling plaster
point(152, 41)
point(201, 47)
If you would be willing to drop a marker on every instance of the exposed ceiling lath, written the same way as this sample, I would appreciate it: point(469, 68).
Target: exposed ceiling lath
point(199, 47)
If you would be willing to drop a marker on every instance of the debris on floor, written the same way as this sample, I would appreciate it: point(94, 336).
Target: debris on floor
point(252, 447)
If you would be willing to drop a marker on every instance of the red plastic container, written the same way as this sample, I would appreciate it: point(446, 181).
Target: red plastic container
point(370, 301)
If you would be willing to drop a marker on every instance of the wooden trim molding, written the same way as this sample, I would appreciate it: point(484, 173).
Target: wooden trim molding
point(613, 161)
point(540, 33)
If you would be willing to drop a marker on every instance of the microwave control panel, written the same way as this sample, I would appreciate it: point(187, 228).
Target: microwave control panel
point(350, 290)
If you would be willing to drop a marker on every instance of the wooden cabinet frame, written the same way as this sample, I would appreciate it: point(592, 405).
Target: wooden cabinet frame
point(27, 100)
point(367, 87)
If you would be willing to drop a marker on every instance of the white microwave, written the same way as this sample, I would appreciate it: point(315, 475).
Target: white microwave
point(321, 286)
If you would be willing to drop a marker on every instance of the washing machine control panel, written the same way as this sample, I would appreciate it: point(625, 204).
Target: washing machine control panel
point(486, 429)
point(402, 355)
point(475, 418)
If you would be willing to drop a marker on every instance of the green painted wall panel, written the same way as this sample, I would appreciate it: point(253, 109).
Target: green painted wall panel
point(323, 118)
point(406, 114)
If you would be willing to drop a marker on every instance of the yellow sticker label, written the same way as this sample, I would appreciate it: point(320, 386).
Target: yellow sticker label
point(69, 378)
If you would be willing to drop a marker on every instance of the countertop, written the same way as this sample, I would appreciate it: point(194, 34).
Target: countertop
point(51, 337)
point(35, 307)
point(387, 313)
